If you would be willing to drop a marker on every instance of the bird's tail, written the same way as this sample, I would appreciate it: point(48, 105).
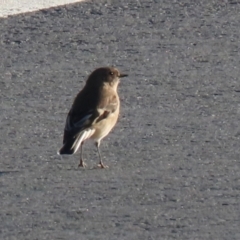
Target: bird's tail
point(72, 144)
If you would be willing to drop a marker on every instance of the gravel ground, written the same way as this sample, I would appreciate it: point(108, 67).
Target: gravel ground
point(173, 158)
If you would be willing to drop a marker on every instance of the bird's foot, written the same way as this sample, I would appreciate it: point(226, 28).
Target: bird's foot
point(100, 165)
point(82, 164)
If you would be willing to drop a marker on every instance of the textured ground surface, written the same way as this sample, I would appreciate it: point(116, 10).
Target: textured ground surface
point(174, 154)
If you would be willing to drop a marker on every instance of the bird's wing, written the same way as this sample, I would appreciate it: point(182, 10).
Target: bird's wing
point(78, 121)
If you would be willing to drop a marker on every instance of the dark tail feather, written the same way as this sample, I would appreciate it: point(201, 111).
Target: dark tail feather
point(72, 145)
point(66, 149)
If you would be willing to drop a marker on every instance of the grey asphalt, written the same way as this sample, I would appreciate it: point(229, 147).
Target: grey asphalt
point(173, 158)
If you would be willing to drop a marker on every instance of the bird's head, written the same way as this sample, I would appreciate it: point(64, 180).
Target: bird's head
point(105, 75)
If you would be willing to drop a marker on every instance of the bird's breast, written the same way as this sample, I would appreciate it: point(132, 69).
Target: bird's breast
point(103, 127)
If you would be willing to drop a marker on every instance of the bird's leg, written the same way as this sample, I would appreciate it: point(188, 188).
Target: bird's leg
point(82, 163)
point(100, 157)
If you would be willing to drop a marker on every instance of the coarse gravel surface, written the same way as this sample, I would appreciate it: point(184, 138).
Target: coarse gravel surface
point(173, 157)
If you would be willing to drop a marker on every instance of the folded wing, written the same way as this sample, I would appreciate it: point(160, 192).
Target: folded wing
point(77, 129)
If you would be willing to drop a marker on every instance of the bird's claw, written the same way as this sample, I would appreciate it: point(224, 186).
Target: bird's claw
point(100, 165)
point(82, 164)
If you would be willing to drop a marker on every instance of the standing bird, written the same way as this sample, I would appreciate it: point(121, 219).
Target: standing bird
point(94, 112)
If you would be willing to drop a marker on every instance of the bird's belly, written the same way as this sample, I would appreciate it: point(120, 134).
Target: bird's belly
point(103, 127)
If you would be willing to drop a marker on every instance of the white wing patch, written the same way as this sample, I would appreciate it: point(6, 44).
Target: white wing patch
point(84, 135)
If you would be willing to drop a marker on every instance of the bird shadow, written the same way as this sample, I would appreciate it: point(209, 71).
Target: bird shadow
point(88, 168)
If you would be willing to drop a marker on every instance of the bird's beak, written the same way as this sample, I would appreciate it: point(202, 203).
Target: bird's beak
point(123, 75)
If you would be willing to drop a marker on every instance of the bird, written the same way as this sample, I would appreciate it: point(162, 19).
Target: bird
point(94, 112)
